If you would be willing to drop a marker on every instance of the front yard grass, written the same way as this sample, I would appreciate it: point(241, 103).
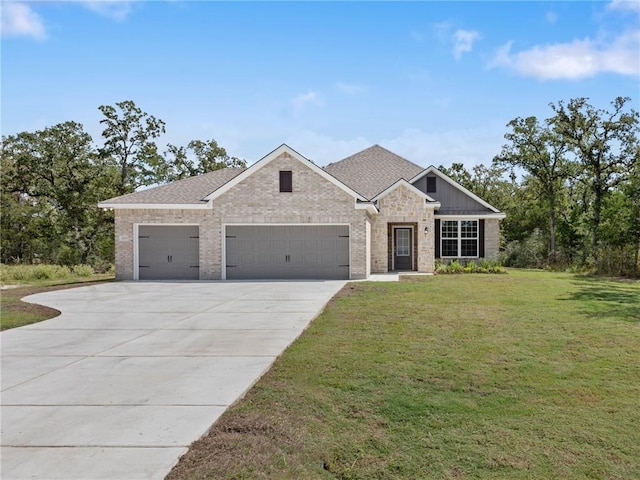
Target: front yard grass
point(16, 313)
point(526, 375)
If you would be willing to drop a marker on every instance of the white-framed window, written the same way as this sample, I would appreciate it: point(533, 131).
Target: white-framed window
point(459, 238)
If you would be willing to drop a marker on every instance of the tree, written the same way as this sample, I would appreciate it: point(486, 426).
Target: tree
point(209, 156)
point(541, 153)
point(129, 142)
point(52, 180)
point(603, 142)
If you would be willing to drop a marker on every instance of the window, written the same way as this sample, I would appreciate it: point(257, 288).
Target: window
point(286, 181)
point(403, 242)
point(431, 184)
point(459, 238)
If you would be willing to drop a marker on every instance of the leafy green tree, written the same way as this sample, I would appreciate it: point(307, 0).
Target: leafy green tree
point(458, 173)
point(541, 153)
point(52, 180)
point(206, 157)
point(129, 136)
point(603, 142)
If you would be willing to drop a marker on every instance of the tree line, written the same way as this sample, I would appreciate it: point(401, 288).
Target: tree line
point(52, 180)
point(569, 184)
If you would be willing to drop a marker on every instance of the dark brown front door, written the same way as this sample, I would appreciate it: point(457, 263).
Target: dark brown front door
point(402, 254)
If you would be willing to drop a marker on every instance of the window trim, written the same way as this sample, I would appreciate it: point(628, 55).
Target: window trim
point(459, 237)
point(286, 181)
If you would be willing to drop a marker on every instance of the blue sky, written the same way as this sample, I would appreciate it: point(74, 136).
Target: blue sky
point(435, 82)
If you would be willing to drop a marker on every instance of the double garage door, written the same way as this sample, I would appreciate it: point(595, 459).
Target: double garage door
point(287, 252)
point(251, 252)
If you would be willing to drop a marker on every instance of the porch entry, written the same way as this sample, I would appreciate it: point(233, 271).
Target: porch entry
point(403, 248)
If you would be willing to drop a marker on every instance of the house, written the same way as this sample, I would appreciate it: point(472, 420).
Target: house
point(285, 217)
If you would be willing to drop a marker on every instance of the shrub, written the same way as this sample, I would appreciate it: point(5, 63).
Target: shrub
point(470, 266)
point(441, 267)
point(456, 267)
point(83, 270)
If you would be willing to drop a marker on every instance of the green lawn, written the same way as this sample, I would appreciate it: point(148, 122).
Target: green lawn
point(16, 313)
point(528, 375)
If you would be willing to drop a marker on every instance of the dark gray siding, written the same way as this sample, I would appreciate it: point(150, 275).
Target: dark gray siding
point(453, 201)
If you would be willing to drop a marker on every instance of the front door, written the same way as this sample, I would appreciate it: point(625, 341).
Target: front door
point(402, 258)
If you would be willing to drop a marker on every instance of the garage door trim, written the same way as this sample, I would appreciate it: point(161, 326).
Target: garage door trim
point(224, 237)
point(136, 246)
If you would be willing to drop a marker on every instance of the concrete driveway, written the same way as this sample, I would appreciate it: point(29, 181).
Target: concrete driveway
point(120, 384)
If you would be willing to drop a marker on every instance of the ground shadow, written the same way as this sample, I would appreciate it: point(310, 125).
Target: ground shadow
point(601, 297)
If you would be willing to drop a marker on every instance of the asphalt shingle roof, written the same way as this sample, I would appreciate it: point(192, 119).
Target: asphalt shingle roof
point(371, 171)
point(191, 190)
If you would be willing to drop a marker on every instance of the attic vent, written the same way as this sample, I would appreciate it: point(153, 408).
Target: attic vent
point(431, 184)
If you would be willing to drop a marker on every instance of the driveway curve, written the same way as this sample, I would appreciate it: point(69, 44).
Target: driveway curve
point(131, 373)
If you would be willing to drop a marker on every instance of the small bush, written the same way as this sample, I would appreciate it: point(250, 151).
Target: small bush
point(49, 272)
point(456, 267)
point(83, 270)
point(29, 273)
point(441, 267)
point(470, 266)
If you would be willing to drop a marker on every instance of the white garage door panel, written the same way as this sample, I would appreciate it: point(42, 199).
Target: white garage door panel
point(168, 252)
point(287, 252)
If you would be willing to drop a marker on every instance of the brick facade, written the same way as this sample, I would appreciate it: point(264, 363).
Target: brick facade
point(491, 238)
point(314, 200)
point(403, 207)
point(255, 200)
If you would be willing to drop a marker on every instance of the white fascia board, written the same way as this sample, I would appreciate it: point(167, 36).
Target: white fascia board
point(368, 206)
point(432, 169)
point(498, 216)
point(155, 206)
point(264, 161)
point(434, 205)
point(408, 185)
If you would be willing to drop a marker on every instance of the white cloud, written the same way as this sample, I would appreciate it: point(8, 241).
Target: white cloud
point(114, 9)
point(350, 88)
point(575, 60)
point(323, 149)
point(471, 146)
point(416, 35)
point(300, 102)
point(551, 17)
point(463, 41)
point(442, 31)
point(468, 146)
point(629, 5)
point(19, 20)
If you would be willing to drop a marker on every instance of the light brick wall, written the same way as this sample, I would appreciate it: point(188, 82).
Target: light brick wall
point(402, 206)
point(124, 231)
point(491, 238)
point(314, 200)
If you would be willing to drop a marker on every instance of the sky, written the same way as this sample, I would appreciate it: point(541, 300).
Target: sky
point(435, 82)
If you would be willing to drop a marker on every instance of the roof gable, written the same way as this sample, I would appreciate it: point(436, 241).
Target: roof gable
point(372, 170)
point(402, 182)
point(264, 161)
point(456, 185)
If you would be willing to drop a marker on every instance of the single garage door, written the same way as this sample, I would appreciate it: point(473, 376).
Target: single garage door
point(168, 252)
point(287, 252)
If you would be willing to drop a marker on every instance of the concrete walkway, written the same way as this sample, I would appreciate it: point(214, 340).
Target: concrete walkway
point(120, 384)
